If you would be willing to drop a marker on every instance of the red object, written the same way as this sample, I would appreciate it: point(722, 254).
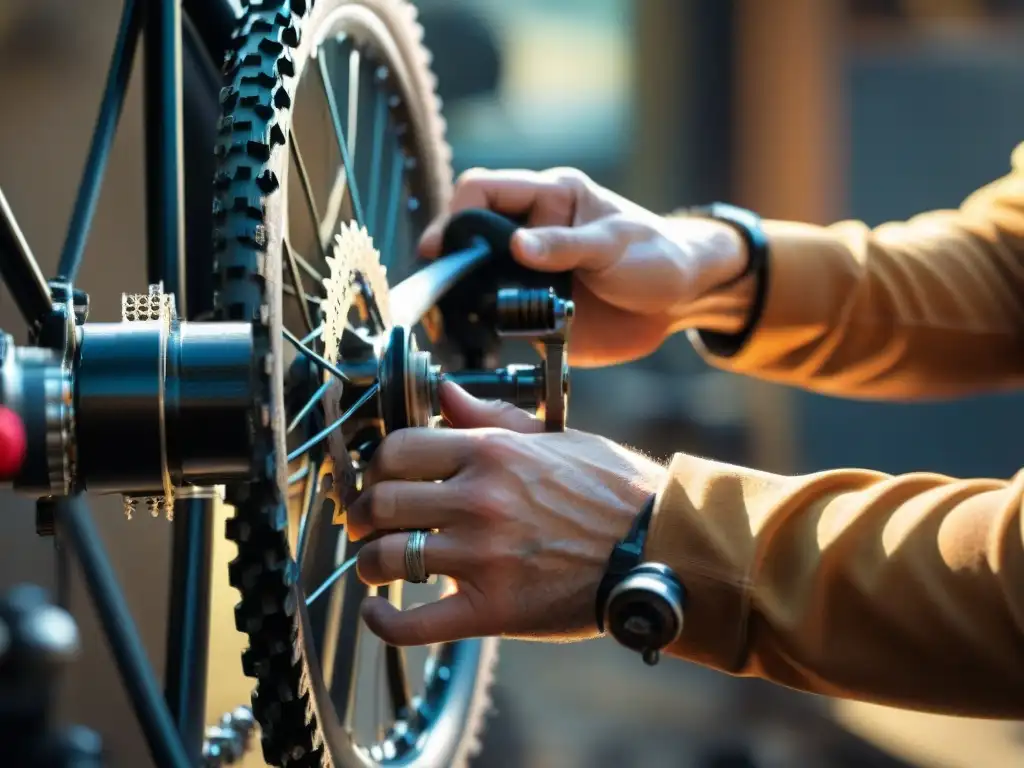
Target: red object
point(13, 443)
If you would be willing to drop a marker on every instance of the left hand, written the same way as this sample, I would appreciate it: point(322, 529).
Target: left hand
point(525, 522)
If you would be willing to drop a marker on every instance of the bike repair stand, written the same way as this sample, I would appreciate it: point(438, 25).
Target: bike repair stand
point(37, 640)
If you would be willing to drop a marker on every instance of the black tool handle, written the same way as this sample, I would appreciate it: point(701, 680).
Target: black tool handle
point(467, 310)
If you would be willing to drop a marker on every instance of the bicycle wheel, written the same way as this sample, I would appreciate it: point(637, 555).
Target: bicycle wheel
point(292, 66)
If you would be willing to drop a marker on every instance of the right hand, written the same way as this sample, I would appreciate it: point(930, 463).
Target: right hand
point(635, 272)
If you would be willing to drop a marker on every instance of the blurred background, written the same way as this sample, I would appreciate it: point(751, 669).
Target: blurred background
point(806, 109)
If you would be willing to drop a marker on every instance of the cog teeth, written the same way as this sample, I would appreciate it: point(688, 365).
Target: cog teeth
point(353, 260)
point(352, 263)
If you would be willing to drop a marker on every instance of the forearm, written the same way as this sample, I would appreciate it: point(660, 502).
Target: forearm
point(931, 307)
point(900, 590)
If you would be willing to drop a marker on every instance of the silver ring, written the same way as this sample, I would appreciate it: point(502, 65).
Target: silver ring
point(415, 568)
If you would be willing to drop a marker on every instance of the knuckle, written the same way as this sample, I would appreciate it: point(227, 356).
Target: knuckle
point(378, 506)
point(491, 501)
point(624, 227)
point(473, 176)
point(573, 178)
point(496, 445)
point(386, 461)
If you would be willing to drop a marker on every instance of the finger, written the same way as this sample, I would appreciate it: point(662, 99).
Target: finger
point(463, 411)
point(382, 560)
point(546, 200)
point(418, 453)
point(591, 247)
point(449, 619)
point(393, 505)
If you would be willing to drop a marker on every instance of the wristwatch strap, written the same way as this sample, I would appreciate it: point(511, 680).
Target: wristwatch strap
point(626, 555)
point(748, 225)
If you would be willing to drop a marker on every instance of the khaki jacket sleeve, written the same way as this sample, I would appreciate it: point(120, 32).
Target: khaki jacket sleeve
point(906, 590)
point(931, 307)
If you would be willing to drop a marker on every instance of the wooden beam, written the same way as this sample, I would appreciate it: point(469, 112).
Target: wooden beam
point(789, 158)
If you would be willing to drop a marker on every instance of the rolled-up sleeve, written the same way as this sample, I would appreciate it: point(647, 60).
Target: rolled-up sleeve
point(928, 308)
point(902, 590)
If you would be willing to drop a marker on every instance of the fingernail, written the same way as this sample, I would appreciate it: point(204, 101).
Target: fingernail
point(529, 244)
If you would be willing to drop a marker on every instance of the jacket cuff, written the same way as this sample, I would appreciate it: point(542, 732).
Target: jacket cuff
point(700, 501)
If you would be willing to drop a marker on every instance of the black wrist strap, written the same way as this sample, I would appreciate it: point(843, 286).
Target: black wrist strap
point(627, 554)
point(748, 225)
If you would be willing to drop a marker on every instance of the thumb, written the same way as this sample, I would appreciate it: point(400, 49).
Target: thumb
point(591, 247)
point(463, 411)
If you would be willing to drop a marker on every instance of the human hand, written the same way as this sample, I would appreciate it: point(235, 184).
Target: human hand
point(638, 275)
point(525, 522)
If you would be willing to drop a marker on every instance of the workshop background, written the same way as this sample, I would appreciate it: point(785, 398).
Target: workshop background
point(807, 109)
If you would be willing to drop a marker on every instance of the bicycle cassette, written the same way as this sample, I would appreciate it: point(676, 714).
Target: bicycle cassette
point(357, 279)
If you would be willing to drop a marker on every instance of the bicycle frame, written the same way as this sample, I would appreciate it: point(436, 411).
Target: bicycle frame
point(183, 708)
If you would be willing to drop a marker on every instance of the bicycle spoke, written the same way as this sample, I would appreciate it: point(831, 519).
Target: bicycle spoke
point(310, 404)
point(293, 267)
point(21, 273)
point(379, 711)
point(344, 661)
point(102, 139)
point(316, 334)
point(290, 290)
point(354, 61)
point(340, 571)
point(339, 135)
point(308, 268)
point(394, 198)
point(395, 668)
point(325, 433)
point(380, 121)
point(318, 359)
point(299, 475)
point(307, 189)
point(372, 308)
point(312, 493)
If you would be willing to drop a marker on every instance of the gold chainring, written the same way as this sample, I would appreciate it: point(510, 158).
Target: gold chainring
point(354, 264)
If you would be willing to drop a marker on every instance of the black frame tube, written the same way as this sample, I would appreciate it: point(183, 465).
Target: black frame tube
point(76, 526)
point(188, 630)
point(188, 621)
point(120, 71)
point(165, 221)
point(20, 270)
point(192, 535)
